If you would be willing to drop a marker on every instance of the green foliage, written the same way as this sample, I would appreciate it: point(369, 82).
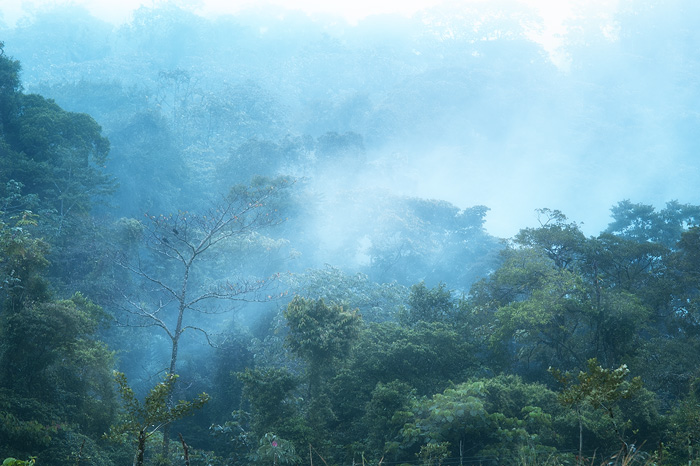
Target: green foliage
point(433, 454)
point(273, 450)
point(376, 302)
point(428, 305)
point(602, 389)
point(24, 435)
point(60, 158)
point(143, 419)
point(269, 392)
point(386, 413)
point(642, 223)
point(426, 356)
point(154, 411)
point(560, 241)
point(10, 86)
point(22, 261)
point(684, 429)
point(685, 264)
point(490, 417)
point(61, 364)
point(320, 333)
point(52, 162)
point(16, 462)
point(554, 297)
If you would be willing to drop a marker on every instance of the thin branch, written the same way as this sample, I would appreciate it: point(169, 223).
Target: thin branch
point(142, 312)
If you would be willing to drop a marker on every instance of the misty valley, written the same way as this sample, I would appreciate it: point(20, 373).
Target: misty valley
point(277, 238)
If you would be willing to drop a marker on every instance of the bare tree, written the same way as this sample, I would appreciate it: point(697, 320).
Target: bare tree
point(174, 266)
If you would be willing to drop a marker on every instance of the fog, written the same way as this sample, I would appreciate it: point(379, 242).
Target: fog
point(506, 105)
point(381, 154)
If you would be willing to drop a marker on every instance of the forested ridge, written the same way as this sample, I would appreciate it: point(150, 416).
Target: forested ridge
point(212, 252)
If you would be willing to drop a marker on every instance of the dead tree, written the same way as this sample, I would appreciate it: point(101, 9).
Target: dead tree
point(173, 264)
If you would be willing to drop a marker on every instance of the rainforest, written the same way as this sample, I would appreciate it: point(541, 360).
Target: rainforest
point(464, 235)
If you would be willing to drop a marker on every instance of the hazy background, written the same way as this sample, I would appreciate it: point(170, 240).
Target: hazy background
point(514, 106)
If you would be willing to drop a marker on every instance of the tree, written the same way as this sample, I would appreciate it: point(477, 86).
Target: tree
point(320, 334)
point(561, 241)
point(56, 395)
point(55, 159)
point(428, 305)
point(562, 297)
point(16, 462)
point(10, 87)
point(143, 420)
point(273, 451)
point(268, 391)
point(600, 388)
point(385, 414)
point(414, 240)
point(22, 261)
point(641, 222)
point(496, 417)
point(49, 353)
point(60, 158)
point(376, 302)
point(537, 310)
point(176, 278)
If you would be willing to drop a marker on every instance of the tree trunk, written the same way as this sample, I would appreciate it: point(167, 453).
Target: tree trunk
point(580, 439)
point(173, 362)
point(138, 460)
point(186, 449)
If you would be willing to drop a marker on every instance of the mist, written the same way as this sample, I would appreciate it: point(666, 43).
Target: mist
point(464, 190)
point(395, 127)
point(469, 110)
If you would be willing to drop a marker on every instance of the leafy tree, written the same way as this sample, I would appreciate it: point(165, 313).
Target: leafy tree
point(685, 272)
point(62, 155)
point(562, 242)
point(16, 462)
point(428, 305)
point(536, 306)
point(375, 302)
point(49, 353)
point(56, 395)
point(495, 417)
point(426, 357)
point(433, 454)
point(22, 261)
point(143, 419)
point(385, 414)
point(414, 240)
point(274, 450)
point(270, 392)
point(10, 88)
point(320, 334)
point(562, 297)
point(54, 160)
point(681, 442)
point(600, 388)
point(641, 222)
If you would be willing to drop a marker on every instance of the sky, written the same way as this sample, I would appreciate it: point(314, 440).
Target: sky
point(554, 13)
point(118, 11)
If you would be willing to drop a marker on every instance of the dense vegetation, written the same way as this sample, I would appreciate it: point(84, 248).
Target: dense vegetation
point(199, 270)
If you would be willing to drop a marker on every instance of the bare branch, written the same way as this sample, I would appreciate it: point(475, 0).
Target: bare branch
point(140, 311)
point(206, 335)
